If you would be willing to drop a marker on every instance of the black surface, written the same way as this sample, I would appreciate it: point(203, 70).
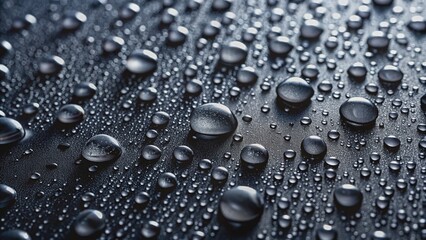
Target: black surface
point(46, 208)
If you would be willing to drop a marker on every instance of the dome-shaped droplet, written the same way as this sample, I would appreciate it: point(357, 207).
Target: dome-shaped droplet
point(417, 24)
point(390, 74)
point(177, 36)
point(326, 232)
point(7, 196)
point(423, 102)
point(112, 44)
point(70, 113)
point(233, 53)
point(73, 20)
point(194, 87)
point(14, 234)
point(357, 71)
point(151, 153)
point(294, 92)
point(221, 5)
point(89, 223)
point(167, 182)
point(247, 75)
point(128, 11)
point(254, 156)
point(5, 48)
point(84, 90)
point(142, 62)
point(391, 142)
point(378, 40)
point(310, 72)
point(10, 131)
point(51, 65)
point(348, 197)
point(311, 29)
point(148, 94)
point(314, 148)
point(280, 46)
point(213, 119)
point(102, 148)
point(183, 154)
point(160, 119)
point(23, 23)
point(359, 112)
point(219, 174)
point(150, 230)
point(241, 206)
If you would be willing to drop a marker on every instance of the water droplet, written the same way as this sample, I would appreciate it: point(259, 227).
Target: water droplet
point(314, 148)
point(51, 65)
point(254, 156)
point(241, 206)
point(101, 148)
point(233, 53)
point(70, 113)
point(7, 196)
point(10, 131)
point(89, 223)
point(348, 197)
point(359, 112)
point(213, 119)
point(294, 92)
point(142, 62)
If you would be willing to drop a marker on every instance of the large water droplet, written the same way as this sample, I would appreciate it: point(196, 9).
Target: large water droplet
point(213, 119)
point(102, 148)
point(10, 131)
point(7, 196)
point(70, 113)
point(254, 156)
point(348, 197)
point(294, 92)
point(359, 112)
point(142, 62)
point(89, 223)
point(233, 53)
point(241, 206)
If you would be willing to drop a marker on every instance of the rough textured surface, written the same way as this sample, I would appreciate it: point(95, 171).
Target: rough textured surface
point(50, 198)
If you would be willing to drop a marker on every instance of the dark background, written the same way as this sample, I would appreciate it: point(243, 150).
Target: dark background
point(45, 208)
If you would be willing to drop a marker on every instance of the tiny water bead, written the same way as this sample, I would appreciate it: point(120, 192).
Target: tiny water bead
point(101, 148)
point(348, 197)
point(142, 62)
point(11, 131)
point(70, 113)
point(7, 196)
point(241, 206)
point(313, 148)
point(359, 112)
point(51, 65)
point(254, 156)
point(294, 92)
point(89, 223)
point(213, 119)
